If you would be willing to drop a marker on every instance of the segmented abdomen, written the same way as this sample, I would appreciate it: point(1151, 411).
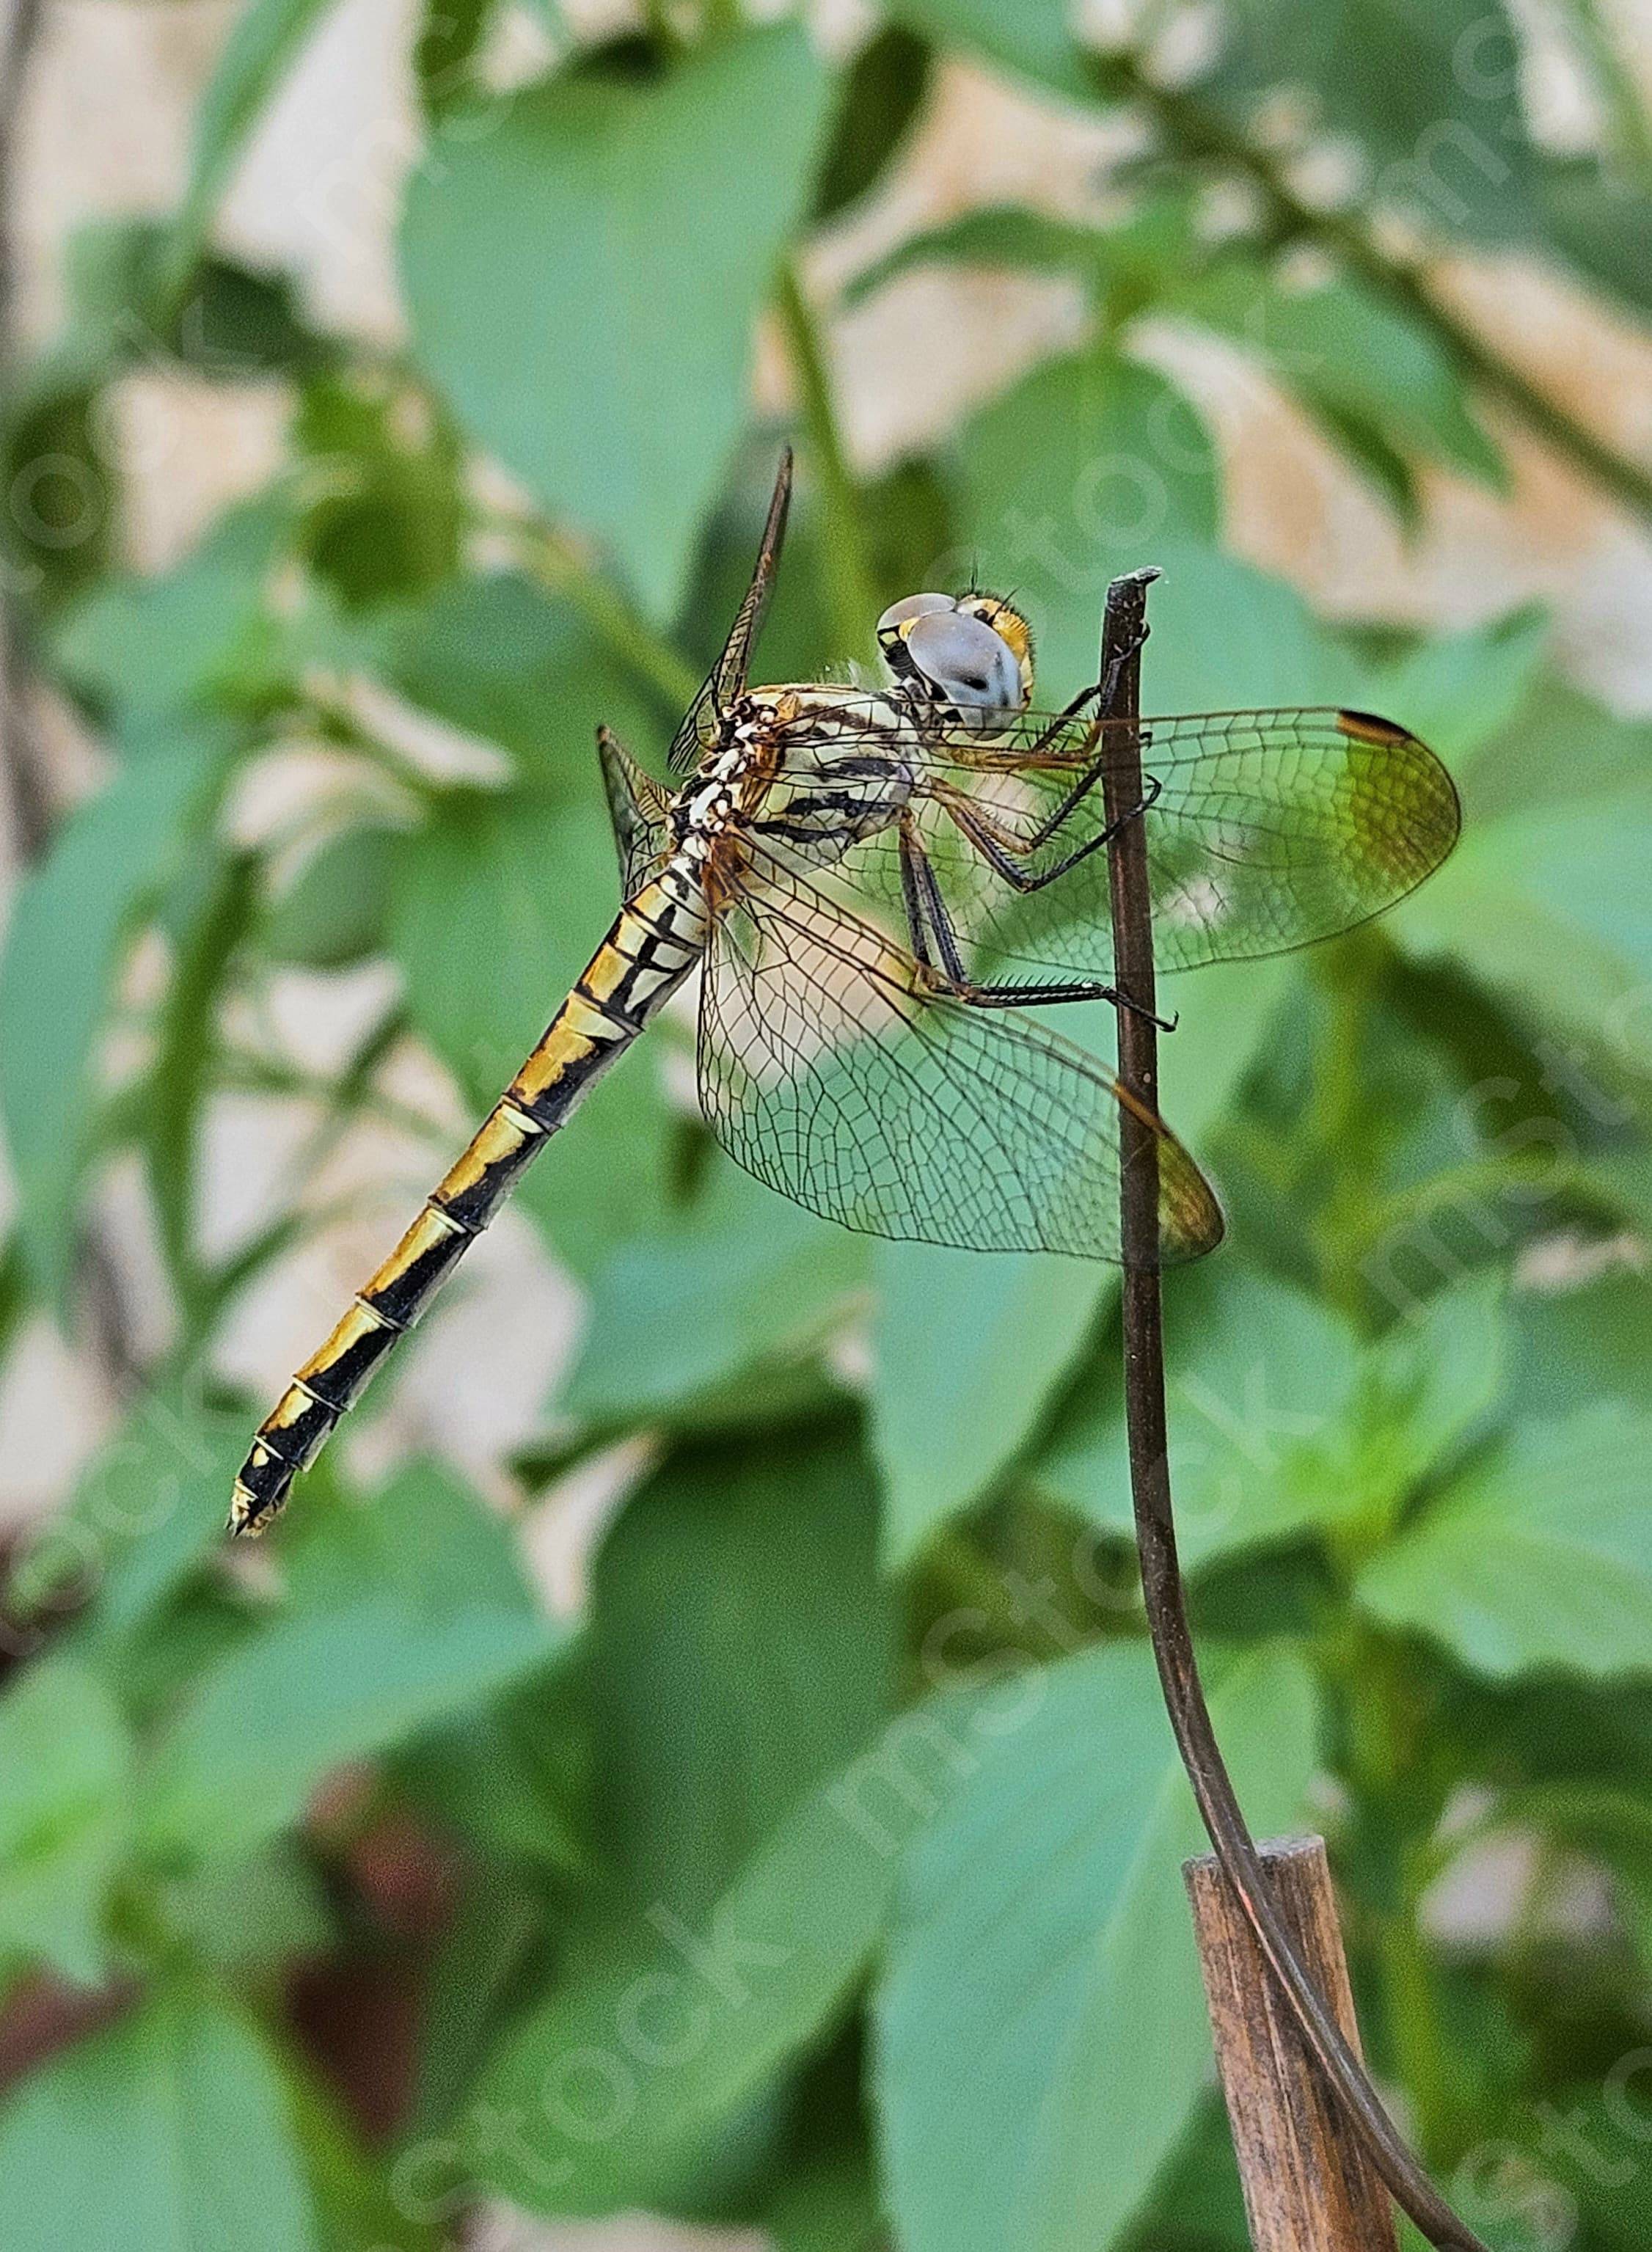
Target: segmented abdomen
point(650, 950)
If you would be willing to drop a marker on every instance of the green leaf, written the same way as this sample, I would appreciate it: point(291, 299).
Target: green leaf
point(694, 2025)
point(426, 1538)
point(67, 939)
point(63, 494)
point(1030, 2104)
point(168, 2132)
point(999, 235)
point(262, 47)
point(511, 1780)
point(969, 1352)
point(266, 1723)
point(389, 510)
point(1196, 2200)
point(1556, 748)
point(146, 1510)
point(500, 900)
point(1033, 38)
point(1279, 1421)
point(1599, 220)
point(336, 910)
point(257, 1914)
point(1343, 350)
point(1591, 1342)
point(1222, 627)
point(451, 36)
point(1585, 2149)
point(497, 657)
point(741, 1647)
point(828, 2203)
point(723, 1308)
point(1255, 1372)
point(1427, 1387)
point(807, 1912)
point(495, 1928)
point(200, 636)
point(570, 2120)
point(1539, 1557)
point(1090, 466)
point(878, 99)
point(1543, 898)
point(633, 229)
point(66, 1815)
point(1429, 89)
point(1460, 691)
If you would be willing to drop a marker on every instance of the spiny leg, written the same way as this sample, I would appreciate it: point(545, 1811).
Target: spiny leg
point(1001, 856)
point(927, 916)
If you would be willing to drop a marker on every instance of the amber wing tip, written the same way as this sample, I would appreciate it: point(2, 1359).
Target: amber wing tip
point(1370, 727)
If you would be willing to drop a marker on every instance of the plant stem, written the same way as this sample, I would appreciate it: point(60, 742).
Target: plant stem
point(1201, 132)
point(624, 632)
point(1382, 1758)
point(1336, 1120)
point(657, 22)
point(848, 581)
point(1163, 1593)
point(24, 772)
point(31, 806)
point(1627, 122)
point(1422, 2058)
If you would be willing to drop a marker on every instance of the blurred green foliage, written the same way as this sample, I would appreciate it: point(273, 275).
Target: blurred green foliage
point(823, 1877)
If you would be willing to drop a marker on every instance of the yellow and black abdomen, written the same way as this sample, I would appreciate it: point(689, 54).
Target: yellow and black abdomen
point(646, 955)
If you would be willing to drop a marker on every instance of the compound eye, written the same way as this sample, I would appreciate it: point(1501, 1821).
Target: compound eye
point(900, 616)
point(969, 664)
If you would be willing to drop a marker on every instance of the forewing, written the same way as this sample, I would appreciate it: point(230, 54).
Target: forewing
point(830, 1073)
point(1270, 829)
point(727, 678)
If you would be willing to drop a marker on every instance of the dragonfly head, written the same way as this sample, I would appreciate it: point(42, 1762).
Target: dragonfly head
point(972, 652)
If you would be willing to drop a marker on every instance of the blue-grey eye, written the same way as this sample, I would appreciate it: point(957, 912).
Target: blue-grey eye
point(966, 661)
point(900, 615)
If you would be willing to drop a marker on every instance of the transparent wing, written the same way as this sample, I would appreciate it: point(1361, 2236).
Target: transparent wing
point(727, 678)
point(827, 1070)
point(639, 811)
point(1270, 829)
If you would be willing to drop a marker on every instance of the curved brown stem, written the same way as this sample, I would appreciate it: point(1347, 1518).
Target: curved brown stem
point(1161, 1588)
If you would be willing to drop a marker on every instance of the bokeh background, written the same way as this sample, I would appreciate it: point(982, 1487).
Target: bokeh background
point(689, 1762)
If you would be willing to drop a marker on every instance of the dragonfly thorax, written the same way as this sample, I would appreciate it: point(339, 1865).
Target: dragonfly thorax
point(837, 769)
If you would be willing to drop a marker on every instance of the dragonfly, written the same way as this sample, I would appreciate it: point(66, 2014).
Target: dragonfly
point(876, 888)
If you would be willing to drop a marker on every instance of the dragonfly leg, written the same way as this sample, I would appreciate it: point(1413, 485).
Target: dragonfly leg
point(1022, 997)
point(926, 912)
point(1003, 859)
point(926, 909)
point(1051, 822)
point(1108, 686)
